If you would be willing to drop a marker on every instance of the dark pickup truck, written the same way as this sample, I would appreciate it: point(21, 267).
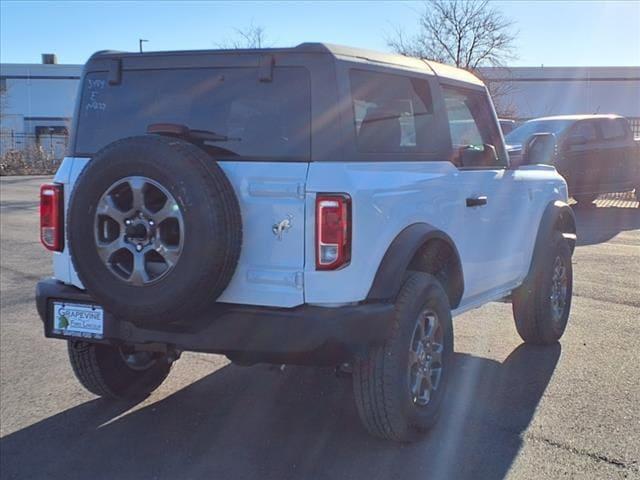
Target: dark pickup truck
point(595, 154)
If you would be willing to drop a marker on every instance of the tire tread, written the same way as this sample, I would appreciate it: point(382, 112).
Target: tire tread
point(530, 307)
point(374, 375)
point(109, 378)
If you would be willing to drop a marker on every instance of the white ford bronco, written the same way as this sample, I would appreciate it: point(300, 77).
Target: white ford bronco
point(316, 205)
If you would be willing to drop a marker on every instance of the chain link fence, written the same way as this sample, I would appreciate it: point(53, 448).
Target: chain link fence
point(635, 126)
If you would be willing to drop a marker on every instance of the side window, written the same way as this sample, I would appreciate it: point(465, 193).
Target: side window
point(475, 136)
point(585, 129)
point(613, 128)
point(393, 113)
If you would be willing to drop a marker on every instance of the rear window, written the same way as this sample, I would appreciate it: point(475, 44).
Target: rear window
point(393, 113)
point(613, 128)
point(262, 120)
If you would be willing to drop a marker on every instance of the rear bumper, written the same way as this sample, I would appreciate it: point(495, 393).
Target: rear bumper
point(305, 334)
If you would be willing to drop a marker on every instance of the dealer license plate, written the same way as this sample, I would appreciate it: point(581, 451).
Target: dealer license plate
point(74, 320)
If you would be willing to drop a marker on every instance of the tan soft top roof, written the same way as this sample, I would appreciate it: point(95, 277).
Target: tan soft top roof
point(339, 52)
point(441, 70)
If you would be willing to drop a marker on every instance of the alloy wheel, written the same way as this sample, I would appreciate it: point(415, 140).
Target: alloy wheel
point(425, 357)
point(139, 230)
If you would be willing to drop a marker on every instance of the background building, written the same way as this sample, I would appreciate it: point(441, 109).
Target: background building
point(37, 105)
point(523, 93)
point(38, 99)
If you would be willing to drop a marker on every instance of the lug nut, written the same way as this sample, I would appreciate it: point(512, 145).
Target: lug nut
point(151, 223)
point(138, 247)
point(127, 222)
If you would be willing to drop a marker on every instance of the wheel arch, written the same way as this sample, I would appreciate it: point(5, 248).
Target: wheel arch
point(557, 217)
point(421, 247)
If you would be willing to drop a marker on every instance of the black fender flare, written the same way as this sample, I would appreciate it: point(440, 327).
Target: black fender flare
point(396, 260)
point(557, 216)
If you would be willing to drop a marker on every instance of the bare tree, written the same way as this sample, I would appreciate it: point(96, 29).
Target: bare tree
point(465, 33)
point(469, 34)
point(252, 36)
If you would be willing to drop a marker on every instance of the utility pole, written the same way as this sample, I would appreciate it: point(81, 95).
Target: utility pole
point(140, 40)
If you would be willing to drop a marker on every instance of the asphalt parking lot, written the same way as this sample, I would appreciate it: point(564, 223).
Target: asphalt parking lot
point(567, 411)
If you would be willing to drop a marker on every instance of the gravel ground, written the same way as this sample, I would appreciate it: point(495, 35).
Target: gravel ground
point(567, 411)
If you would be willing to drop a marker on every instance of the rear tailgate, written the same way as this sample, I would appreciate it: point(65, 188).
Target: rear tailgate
point(270, 269)
point(262, 119)
point(271, 264)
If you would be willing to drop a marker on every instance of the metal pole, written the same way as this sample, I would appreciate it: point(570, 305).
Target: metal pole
point(140, 40)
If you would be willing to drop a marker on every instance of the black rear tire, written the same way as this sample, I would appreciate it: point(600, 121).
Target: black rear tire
point(538, 319)
point(382, 379)
point(104, 371)
point(211, 239)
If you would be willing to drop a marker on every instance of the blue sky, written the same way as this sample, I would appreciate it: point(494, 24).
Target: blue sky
point(556, 33)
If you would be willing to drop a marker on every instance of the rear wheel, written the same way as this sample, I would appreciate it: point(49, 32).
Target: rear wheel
point(541, 305)
point(399, 386)
point(117, 372)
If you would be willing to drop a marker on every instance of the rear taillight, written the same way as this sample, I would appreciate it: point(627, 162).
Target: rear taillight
point(333, 231)
point(51, 216)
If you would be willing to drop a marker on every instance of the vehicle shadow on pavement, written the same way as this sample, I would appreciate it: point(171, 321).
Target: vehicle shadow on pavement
point(258, 423)
point(600, 224)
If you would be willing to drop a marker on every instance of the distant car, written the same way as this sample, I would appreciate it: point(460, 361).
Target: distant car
point(595, 154)
point(507, 125)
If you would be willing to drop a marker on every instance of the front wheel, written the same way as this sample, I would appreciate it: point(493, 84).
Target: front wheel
point(541, 305)
point(399, 386)
point(117, 372)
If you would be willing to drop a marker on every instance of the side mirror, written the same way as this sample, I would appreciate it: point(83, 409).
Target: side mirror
point(478, 156)
point(539, 148)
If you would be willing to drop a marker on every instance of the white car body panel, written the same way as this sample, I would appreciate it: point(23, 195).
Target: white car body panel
point(269, 271)
point(495, 241)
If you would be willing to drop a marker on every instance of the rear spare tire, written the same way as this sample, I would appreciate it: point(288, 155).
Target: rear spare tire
point(154, 229)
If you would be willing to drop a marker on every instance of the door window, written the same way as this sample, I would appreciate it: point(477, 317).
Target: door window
point(585, 129)
point(475, 136)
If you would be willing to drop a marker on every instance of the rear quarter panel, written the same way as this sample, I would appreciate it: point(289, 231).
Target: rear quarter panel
point(386, 198)
point(389, 196)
